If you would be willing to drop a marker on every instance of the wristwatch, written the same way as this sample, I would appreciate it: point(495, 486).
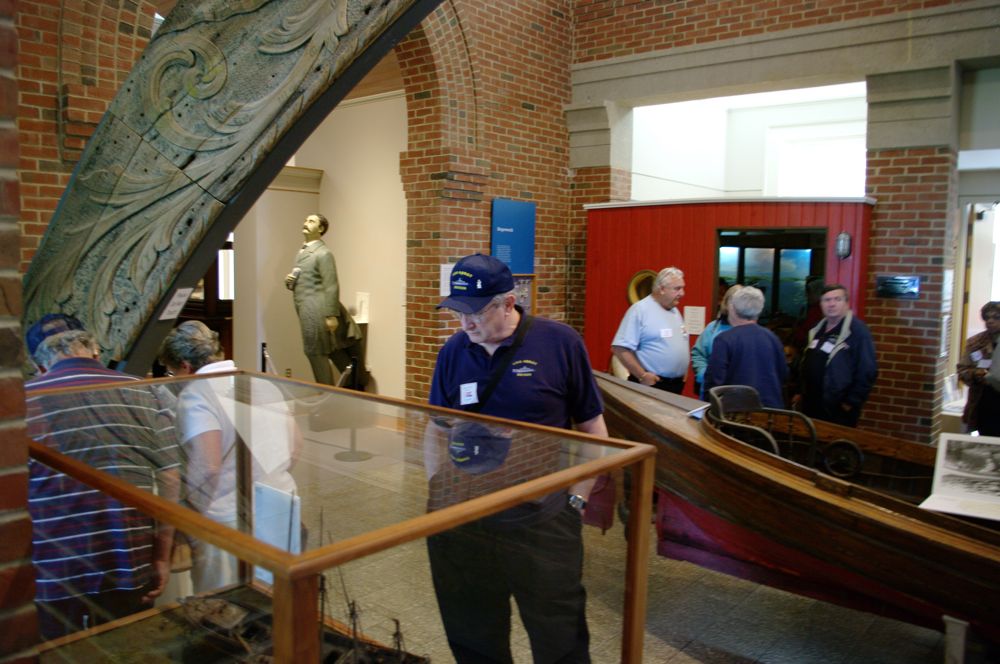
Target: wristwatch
point(577, 502)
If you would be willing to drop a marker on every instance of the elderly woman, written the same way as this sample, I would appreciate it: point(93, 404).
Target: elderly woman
point(982, 408)
point(747, 353)
point(703, 347)
point(206, 412)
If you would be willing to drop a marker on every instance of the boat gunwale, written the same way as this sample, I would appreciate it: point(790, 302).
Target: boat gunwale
point(858, 500)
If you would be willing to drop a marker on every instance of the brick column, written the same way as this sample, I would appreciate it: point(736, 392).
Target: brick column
point(446, 214)
point(18, 631)
point(600, 159)
point(912, 174)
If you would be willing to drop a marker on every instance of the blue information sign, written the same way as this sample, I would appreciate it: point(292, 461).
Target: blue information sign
point(513, 234)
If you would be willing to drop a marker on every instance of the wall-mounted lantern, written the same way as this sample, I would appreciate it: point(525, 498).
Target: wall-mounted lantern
point(843, 245)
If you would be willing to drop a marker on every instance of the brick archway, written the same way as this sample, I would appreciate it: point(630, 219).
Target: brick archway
point(444, 177)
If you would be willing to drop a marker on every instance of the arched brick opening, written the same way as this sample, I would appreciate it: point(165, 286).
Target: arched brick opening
point(486, 87)
point(444, 177)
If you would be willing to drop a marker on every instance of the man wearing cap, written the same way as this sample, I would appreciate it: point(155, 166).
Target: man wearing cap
point(95, 558)
point(505, 363)
point(651, 342)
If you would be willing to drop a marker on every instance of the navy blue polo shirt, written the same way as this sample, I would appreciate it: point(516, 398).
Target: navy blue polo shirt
point(548, 382)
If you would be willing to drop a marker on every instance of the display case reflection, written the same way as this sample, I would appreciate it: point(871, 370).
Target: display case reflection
point(265, 475)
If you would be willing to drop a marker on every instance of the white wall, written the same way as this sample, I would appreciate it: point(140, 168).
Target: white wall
point(357, 147)
point(266, 242)
point(669, 160)
point(789, 143)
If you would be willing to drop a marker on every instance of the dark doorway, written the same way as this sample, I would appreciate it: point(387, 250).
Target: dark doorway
point(780, 263)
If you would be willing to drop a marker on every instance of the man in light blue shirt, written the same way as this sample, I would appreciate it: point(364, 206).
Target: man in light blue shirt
point(651, 342)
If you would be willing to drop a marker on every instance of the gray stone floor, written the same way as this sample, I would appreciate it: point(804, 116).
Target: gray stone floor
point(695, 615)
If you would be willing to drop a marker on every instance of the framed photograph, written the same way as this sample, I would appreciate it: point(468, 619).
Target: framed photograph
point(524, 287)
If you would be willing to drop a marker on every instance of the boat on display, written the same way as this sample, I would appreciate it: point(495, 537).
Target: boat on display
point(833, 515)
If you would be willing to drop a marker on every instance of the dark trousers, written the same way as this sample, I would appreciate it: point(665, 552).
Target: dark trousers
point(672, 385)
point(988, 412)
point(477, 567)
point(816, 409)
point(65, 616)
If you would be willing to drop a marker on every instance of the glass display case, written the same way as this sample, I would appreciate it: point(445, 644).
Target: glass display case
point(296, 500)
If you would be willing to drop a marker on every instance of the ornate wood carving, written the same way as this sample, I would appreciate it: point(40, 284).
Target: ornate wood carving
point(223, 95)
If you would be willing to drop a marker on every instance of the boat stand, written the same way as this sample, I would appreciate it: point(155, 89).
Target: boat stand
point(955, 632)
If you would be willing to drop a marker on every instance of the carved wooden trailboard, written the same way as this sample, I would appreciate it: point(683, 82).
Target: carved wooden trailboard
point(221, 98)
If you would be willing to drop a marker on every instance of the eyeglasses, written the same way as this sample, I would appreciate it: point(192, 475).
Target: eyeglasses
point(477, 317)
point(991, 317)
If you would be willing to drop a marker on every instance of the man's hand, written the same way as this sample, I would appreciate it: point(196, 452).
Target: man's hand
point(290, 280)
point(332, 324)
point(161, 574)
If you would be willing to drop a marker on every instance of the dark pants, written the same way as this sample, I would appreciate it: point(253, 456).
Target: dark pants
point(477, 567)
point(672, 385)
point(65, 616)
point(988, 413)
point(818, 410)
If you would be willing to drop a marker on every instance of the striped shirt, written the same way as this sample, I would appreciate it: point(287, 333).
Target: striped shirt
point(85, 541)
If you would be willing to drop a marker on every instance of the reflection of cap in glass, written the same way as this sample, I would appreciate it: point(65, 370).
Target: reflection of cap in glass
point(48, 325)
point(475, 280)
point(474, 449)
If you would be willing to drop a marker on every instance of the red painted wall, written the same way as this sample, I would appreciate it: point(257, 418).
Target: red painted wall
point(623, 240)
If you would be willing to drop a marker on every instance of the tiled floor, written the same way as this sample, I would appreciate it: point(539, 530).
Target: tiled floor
point(695, 615)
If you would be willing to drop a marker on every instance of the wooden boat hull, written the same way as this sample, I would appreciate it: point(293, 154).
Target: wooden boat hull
point(731, 507)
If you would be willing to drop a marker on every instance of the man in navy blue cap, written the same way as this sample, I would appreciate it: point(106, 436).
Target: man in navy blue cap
point(46, 326)
point(533, 552)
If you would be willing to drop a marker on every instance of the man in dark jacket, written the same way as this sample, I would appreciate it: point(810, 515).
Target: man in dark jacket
point(838, 368)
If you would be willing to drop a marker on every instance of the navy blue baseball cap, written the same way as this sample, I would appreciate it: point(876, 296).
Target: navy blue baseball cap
point(475, 280)
point(475, 449)
point(48, 325)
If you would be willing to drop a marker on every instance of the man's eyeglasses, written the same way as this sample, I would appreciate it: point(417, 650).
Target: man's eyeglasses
point(991, 317)
point(477, 317)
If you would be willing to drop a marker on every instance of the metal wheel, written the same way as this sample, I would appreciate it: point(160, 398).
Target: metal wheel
point(842, 458)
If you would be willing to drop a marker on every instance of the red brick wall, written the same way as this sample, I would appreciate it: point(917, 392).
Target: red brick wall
point(613, 28)
point(17, 576)
point(486, 84)
point(73, 57)
point(913, 227)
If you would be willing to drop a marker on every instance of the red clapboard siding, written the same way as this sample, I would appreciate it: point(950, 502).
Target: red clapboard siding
point(624, 240)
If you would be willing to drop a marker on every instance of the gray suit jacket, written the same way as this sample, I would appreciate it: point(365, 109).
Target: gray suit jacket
point(317, 296)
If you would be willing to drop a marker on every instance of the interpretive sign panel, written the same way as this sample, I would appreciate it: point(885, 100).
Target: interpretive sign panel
point(513, 234)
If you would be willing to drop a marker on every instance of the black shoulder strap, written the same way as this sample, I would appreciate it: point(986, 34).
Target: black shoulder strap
point(501, 368)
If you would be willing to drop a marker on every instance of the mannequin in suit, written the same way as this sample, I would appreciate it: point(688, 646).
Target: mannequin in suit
point(329, 333)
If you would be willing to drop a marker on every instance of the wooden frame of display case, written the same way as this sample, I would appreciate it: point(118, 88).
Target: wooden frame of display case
point(295, 592)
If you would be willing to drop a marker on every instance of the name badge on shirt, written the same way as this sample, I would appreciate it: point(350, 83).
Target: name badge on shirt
point(468, 393)
point(666, 333)
point(827, 347)
point(985, 363)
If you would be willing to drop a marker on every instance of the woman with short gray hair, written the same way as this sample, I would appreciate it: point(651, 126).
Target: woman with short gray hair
point(749, 354)
point(206, 412)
